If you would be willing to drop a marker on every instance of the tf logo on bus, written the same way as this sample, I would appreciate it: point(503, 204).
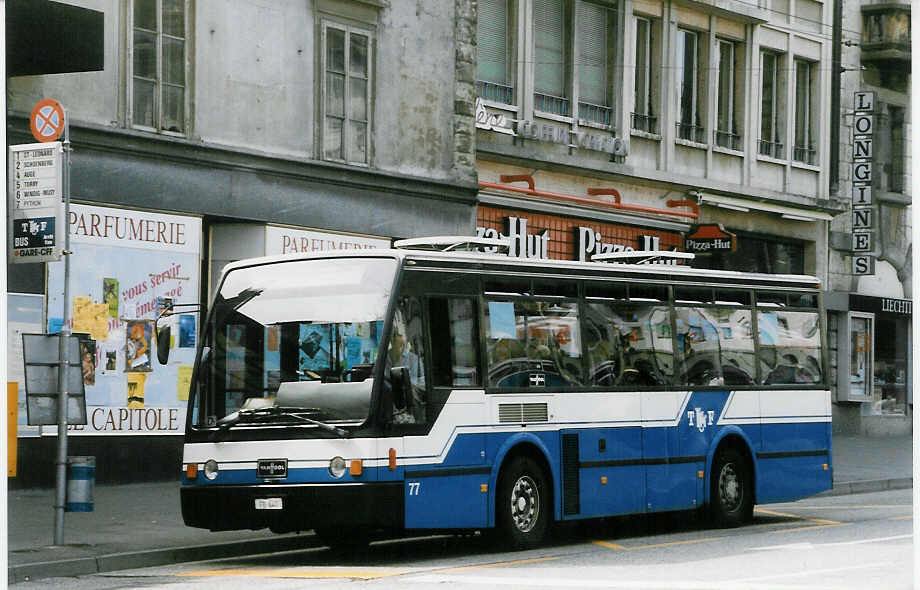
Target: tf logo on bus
point(701, 418)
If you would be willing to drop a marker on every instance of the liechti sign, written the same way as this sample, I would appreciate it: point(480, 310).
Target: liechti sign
point(35, 192)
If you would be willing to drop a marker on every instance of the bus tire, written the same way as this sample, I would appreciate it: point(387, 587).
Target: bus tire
point(731, 491)
point(523, 505)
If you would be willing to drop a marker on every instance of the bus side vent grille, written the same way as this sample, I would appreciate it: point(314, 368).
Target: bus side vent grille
point(534, 412)
point(571, 494)
point(523, 412)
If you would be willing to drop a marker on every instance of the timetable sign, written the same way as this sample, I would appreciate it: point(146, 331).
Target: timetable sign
point(35, 181)
point(35, 201)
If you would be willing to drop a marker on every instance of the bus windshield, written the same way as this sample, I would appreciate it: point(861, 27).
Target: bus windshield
point(299, 336)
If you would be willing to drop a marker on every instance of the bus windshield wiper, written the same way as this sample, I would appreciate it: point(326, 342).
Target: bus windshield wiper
point(271, 412)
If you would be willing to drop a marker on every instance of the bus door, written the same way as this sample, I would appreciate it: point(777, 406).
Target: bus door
point(444, 473)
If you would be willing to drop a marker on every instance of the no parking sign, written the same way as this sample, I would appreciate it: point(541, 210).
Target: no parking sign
point(47, 120)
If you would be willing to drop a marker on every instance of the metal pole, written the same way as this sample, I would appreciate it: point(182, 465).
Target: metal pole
point(63, 367)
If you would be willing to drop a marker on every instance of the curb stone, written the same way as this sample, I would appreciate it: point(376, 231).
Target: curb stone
point(154, 557)
point(864, 487)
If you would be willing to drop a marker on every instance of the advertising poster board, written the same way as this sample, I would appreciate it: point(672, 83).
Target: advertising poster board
point(24, 316)
point(123, 262)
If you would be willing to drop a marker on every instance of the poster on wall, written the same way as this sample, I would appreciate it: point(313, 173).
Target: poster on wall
point(126, 265)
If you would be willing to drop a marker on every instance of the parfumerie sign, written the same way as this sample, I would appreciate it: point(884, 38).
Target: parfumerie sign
point(863, 128)
point(285, 240)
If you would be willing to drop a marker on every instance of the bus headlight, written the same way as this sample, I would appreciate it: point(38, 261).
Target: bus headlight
point(337, 467)
point(210, 469)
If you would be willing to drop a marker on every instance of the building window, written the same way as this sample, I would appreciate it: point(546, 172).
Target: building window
point(689, 86)
point(596, 26)
point(346, 94)
point(158, 66)
point(494, 72)
point(804, 150)
point(771, 123)
point(729, 109)
point(645, 105)
point(896, 149)
point(551, 58)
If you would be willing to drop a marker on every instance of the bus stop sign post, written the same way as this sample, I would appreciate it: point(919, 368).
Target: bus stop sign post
point(48, 122)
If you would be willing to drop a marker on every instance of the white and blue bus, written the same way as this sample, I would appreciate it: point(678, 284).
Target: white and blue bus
point(411, 390)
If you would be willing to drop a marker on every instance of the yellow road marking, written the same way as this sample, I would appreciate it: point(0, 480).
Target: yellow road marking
point(496, 564)
point(820, 523)
point(654, 545)
point(908, 517)
point(294, 573)
point(796, 516)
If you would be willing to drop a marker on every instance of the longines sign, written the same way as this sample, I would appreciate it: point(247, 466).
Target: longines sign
point(863, 127)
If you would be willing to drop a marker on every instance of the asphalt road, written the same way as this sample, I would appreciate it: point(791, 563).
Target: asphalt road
point(857, 541)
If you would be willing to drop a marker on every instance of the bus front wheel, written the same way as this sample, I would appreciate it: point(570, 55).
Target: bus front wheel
point(731, 492)
point(523, 504)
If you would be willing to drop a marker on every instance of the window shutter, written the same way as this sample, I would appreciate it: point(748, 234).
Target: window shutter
point(549, 33)
point(592, 53)
point(492, 34)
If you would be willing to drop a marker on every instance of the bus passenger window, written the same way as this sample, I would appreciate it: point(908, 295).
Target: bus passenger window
point(790, 347)
point(533, 344)
point(698, 347)
point(622, 341)
point(454, 342)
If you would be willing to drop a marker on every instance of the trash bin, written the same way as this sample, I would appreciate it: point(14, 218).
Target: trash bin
point(81, 478)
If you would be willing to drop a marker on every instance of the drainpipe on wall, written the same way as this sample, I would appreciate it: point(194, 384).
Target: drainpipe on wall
point(836, 72)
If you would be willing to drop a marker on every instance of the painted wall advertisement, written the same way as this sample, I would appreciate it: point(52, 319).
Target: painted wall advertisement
point(125, 266)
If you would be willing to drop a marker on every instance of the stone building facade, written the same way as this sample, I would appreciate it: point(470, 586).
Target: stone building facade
point(258, 128)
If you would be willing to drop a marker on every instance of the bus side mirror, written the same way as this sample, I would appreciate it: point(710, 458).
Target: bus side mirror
point(163, 337)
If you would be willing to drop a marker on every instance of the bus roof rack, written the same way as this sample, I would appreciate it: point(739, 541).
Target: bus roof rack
point(453, 243)
point(641, 256)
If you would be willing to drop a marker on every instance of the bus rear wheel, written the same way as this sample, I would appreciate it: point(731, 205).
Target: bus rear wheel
point(731, 492)
point(523, 505)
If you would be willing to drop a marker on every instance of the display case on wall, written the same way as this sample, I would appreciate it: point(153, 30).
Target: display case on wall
point(855, 360)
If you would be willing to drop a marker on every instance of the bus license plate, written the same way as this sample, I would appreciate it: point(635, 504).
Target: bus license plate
point(269, 504)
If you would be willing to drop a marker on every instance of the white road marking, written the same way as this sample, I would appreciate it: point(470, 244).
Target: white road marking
point(643, 584)
point(799, 546)
point(833, 570)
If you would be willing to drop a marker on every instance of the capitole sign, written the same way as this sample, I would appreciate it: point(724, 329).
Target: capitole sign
point(708, 239)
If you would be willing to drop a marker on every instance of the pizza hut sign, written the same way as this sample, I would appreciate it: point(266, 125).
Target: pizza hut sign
point(707, 239)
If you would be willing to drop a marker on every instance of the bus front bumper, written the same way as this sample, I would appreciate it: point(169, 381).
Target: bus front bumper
point(294, 507)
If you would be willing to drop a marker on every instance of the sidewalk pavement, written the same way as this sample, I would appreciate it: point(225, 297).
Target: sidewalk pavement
point(140, 525)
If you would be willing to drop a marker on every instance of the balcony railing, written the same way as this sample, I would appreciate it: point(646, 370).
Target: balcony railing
point(645, 123)
point(547, 103)
point(773, 149)
point(495, 92)
point(693, 133)
point(594, 113)
point(727, 140)
point(804, 154)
